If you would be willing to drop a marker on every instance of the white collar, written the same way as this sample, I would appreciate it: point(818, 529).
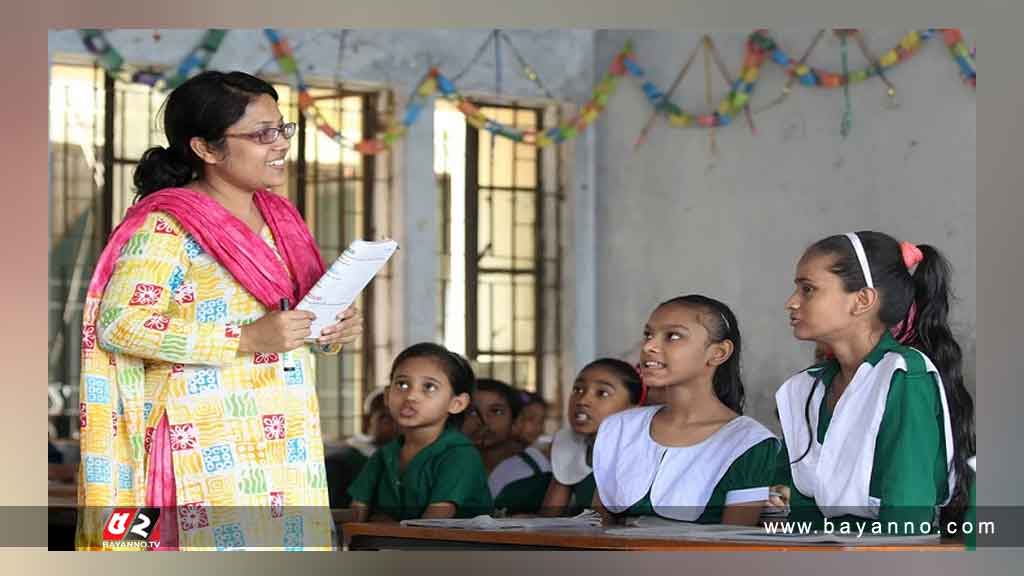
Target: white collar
point(569, 456)
point(837, 474)
point(363, 443)
point(629, 464)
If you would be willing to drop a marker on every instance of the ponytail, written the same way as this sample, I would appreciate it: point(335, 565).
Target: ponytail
point(161, 168)
point(916, 306)
point(935, 339)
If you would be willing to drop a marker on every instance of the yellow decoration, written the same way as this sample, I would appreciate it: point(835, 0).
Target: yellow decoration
point(888, 59)
point(911, 40)
point(750, 76)
point(724, 107)
point(802, 70)
point(679, 120)
point(543, 141)
point(428, 87)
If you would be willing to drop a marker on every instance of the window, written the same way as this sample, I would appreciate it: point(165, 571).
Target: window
point(501, 206)
point(345, 196)
point(100, 126)
point(77, 224)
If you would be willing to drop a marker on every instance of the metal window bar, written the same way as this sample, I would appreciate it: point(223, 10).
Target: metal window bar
point(483, 195)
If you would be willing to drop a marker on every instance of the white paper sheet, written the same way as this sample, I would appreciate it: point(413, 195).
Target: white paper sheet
point(584, 519)
point(339, 287)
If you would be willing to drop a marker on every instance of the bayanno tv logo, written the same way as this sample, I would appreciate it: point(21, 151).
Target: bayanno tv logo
point(135, 528)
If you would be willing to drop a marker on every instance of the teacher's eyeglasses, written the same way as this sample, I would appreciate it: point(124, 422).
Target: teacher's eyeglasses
point(269, 135)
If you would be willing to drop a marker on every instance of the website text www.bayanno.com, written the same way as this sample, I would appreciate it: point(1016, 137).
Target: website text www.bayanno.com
point(860, 528)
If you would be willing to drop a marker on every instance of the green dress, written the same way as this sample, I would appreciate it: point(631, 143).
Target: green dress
point(520, 482)
point(909, 475)
point(448, 470)
point(582, 494)
point(571, 467)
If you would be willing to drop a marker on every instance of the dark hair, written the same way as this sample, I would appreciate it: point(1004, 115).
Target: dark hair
point(623, 371)
point(530, 399)
point(203, 106)
point(929, 288)
point(455, 367)
point(515, 405)
point(721, 325)
point(378, 404)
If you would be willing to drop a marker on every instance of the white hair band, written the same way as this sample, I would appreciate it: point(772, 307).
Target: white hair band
point(862, 257)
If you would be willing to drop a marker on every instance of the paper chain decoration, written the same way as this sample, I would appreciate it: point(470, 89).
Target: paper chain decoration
point(760, 47)
point(195, 62)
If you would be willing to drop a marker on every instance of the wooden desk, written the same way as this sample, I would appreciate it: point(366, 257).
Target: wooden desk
point(375, 536)
point(343, 516)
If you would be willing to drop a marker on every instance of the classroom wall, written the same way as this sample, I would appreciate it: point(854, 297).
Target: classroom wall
point(671, 219)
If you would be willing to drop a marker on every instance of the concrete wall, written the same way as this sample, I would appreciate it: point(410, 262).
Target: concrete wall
point(671, 220)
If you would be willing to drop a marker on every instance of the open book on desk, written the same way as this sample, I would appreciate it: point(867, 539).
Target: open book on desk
point(339, 287)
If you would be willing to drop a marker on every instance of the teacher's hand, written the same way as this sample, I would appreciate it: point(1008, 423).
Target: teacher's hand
point(279, 331)
point(346, 330)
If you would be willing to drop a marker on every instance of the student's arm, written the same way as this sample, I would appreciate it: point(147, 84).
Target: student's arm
point(382, 518)
point(556, 499)
point(607, 519)
point(364, 487)
point(779, 496)
point(440, 510)
point(909, 442)
point(746, 514)
point(460, 485)
point(749, 482)
point(362, 510)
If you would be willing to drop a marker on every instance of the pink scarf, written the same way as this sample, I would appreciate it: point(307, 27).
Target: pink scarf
point(231, 242)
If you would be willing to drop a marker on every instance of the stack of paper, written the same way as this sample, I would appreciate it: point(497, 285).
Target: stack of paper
point(338, 288)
